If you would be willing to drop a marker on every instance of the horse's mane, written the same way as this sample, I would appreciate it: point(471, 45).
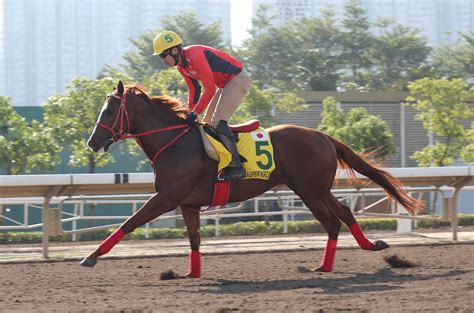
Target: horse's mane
point(172, 104)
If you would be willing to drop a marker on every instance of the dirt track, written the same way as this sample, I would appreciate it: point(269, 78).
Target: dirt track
point(362, 281)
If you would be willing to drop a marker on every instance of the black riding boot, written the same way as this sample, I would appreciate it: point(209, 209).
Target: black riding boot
point(235, 170)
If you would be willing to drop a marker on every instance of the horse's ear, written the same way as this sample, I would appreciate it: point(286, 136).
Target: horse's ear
point(120, 88)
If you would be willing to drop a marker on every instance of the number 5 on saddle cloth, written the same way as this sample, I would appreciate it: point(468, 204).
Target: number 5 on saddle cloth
point(255, 147)
point(256, 150)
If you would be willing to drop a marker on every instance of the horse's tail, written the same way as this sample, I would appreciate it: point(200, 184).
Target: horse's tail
point(350, 161)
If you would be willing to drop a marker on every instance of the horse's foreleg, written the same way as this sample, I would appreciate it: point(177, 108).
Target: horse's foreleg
point(153, 208)
point(192, 221)
point(344, 214)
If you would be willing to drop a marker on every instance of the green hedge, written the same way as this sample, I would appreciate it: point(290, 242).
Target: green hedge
point(237, 229)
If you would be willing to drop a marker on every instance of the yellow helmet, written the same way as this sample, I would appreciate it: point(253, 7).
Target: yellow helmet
point(165, 40)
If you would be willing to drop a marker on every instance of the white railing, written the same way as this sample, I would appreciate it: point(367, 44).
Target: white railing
point(53, 191)
point(289, 203)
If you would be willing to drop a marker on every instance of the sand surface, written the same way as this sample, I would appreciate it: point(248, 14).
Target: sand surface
point(263, 282)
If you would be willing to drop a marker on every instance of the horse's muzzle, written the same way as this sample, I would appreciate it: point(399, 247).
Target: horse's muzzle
point(93, 145)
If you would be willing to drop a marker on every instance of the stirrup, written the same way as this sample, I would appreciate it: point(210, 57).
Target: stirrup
point(223, 175)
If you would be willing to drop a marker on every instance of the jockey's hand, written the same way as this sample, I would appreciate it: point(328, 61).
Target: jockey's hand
point(190, 118)
point(190, 107)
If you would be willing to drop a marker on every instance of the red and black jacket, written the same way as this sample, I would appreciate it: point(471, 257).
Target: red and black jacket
point(212, 67)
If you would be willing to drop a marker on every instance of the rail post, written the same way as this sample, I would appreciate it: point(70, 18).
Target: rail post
point(453, 204)
point(48, 220)
point(46, 227)
point(216, 226)
point(404, 225)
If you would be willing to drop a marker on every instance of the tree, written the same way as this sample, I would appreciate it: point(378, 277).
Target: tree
point(261, 103)
point(322, 54)
point(467, 153)
point(194, 32)
point(261, 20)
point(143, 63)
point(357, 42)
point(441, 105)
point(320, 61)
point(399, 56)
point(73, 116)
point(270, 57)
point(167, 82)
point(23, 147)
point(357, 128)
point(456, 61)
point(300, 55)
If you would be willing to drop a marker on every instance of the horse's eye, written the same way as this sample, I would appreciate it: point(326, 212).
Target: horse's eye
point(108, 112)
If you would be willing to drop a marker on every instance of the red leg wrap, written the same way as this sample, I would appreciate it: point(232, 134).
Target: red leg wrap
point(111, 241)
point(328, 255)
point(194, 264)
point(359, 236)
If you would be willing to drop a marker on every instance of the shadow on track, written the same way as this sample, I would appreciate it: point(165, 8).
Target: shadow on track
point(352, 284)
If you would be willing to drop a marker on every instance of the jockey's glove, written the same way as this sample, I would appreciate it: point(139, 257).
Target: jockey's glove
point(190, 118)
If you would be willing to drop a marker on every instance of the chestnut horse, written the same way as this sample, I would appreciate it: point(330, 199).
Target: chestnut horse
point(306, 161)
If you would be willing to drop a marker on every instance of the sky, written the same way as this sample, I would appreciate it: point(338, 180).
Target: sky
point(241, 20)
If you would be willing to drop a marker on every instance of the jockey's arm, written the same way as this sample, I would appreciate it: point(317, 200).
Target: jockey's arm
point(201, 65)
point(194, 89)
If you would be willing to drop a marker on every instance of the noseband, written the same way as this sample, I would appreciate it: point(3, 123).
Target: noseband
point(122, 135)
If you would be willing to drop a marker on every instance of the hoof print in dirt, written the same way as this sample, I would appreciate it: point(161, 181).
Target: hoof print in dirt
point(169, 274)
point(397, 262)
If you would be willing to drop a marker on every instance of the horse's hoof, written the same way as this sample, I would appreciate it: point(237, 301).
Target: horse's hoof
point(88, 262)
point(320, 270)
point(380, 245)
point(192, 276)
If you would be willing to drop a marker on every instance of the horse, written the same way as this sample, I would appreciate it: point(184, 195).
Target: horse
point(306, 162)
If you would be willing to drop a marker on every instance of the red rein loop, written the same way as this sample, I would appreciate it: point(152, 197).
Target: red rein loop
point(116, 136)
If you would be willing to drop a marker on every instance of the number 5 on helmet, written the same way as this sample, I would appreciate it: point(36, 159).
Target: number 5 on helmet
point(165, 40)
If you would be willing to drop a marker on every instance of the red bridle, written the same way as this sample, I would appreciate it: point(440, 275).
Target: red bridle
point(122, 113)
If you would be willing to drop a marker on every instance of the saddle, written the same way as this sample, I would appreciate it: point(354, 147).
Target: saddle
point(246, 127)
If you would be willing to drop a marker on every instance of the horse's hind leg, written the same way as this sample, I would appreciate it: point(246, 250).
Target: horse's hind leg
point(319, 207)
point(345, 215)
point(192, 221)
point(153, 208)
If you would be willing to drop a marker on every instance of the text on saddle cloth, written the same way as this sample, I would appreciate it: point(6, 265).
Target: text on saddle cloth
point(256, 147)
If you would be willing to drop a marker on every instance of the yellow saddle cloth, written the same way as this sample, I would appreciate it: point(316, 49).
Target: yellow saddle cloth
point(256, 147)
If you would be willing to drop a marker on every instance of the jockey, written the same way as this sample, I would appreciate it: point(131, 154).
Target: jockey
point(225, 84)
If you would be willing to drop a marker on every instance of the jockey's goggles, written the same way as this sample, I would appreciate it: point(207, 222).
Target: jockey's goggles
point(165, 53)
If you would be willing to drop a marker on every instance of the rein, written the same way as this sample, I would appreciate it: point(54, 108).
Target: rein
point(122, 135)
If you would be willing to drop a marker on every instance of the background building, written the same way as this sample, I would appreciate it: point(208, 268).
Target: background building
point(48, 42)
point(438, 20)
